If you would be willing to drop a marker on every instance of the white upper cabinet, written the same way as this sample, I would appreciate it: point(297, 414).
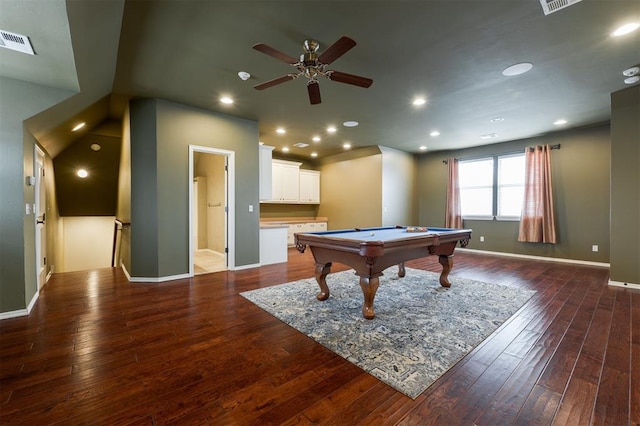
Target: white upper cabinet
point(310, 186)
point(285, 181)
point(265, 172)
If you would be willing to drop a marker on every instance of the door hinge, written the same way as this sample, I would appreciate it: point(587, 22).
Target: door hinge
point(44, 260)
point(226, 209)
point(226, 249)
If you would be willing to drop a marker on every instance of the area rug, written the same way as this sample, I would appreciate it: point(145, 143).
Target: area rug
point(420, 329)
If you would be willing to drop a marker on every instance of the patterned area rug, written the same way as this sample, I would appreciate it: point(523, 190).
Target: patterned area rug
point(420, 330)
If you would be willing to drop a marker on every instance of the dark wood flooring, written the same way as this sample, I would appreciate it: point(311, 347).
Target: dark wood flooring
point(97, 349)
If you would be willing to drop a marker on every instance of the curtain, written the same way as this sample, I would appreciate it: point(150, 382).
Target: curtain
point(537, 224)
point(453, 215)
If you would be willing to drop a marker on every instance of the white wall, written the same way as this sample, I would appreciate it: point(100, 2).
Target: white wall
point(87, 242)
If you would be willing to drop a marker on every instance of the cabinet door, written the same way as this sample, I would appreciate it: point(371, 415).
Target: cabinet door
point(290, 183)
point(309, 186)
point(276, 182)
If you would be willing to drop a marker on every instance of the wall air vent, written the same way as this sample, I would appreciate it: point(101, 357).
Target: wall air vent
point(16, 42)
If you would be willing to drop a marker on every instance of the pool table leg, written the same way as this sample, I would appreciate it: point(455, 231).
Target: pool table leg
point(447, 263)
point(401, 270)
point(322, 270)
point(369, 287)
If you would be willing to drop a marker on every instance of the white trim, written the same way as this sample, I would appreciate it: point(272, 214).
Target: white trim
point(153, 279)
point(241, 267)
point(624, 285)
point(34, 299)
point(527, 256)
point(21, 312)
point(13, 314)
point(158, 279)
point(231, 203)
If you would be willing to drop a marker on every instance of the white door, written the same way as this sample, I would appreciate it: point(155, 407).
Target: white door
point(40, 217)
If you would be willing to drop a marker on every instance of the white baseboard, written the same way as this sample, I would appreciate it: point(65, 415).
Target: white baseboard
point(527, 256)
point(34, 299)
point(14, 314)
point(624, 285)
point(241, 267)
point(152, 279)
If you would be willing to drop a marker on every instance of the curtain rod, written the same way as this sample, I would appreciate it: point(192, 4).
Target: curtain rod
point(531, 148)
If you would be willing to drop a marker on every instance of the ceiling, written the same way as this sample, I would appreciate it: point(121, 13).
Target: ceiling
point(452, 53)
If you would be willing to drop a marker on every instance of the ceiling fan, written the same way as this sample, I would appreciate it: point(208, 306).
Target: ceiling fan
point(312, 66)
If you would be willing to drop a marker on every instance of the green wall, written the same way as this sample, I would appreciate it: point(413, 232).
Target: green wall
point(580, 170)
point(625, 186)
point(19, 101)
point(161, 133)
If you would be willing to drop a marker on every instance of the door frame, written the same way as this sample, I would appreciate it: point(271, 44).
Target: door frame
point(230, 203)
point(40, 197)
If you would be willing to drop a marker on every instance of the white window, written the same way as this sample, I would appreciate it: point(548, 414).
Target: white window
point(492, 187)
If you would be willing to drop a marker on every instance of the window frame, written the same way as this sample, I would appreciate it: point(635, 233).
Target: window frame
point(495, 187)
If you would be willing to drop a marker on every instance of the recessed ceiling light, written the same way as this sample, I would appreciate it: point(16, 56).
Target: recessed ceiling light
point(314, 154)
point(285, 149)
point(316, 139)
point(423, 148)
point(78, 127)
point(489, 136)
point(434, 133)
point(517, 69)
point(244, 76)
point(497, 119)
point(419, 101)
point(331, 129)
point(625, 29)
point(350, 123)
point(560, 122)
point(82, 173)
point(346, 145)
point(95, 147)
point(281, 131)
point(226, 100)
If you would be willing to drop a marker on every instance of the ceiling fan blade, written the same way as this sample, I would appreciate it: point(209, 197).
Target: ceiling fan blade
point(314, 92)
point(344, 77)
point(337, 49)
point(268, 50)
point(274, 82)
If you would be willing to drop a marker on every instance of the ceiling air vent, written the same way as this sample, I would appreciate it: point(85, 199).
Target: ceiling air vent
point(15, 41)
point(551, 6)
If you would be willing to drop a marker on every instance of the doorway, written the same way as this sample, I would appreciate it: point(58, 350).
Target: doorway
point(209, 195)
point(39, 213)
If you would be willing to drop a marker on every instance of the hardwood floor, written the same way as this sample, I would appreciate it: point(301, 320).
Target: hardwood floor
point(97, 349)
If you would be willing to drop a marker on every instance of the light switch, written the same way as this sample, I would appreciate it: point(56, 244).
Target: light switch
point(27, 209)
point(250, 208)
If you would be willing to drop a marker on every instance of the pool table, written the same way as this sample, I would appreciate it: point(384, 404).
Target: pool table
point(369, 251)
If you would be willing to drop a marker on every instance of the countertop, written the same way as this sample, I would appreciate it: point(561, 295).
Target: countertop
point(289, 220)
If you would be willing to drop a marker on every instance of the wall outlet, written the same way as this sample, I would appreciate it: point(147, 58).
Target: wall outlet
point(594, 247)
point(482, 238)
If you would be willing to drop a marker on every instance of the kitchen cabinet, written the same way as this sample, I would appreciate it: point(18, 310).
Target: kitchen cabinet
point(309, 186)
point(285, 181)
point(265, 172)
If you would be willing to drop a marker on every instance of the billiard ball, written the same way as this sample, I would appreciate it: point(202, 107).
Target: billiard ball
point(372, 234)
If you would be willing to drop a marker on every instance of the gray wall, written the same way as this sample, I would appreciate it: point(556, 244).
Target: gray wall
point(580, 170)
point(625, 186)
point(19, 101)
point(161, 133)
